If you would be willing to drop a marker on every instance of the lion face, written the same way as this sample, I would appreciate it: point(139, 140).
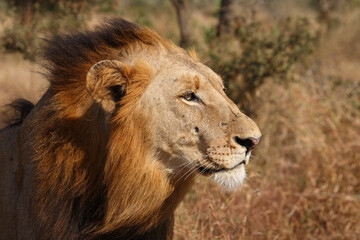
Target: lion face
point(191, 126)
point(194, 127)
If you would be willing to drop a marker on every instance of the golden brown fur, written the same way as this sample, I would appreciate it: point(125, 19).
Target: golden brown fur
point(78, 177)
point(93, 195)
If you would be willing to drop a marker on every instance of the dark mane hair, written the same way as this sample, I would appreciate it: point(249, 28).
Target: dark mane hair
point(81, 157)
point(68, 57)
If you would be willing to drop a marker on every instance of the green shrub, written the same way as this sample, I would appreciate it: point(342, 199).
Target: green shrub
point(47, 17)
point(255, 55)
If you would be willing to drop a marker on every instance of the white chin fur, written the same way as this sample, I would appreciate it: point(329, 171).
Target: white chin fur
point(230, 180)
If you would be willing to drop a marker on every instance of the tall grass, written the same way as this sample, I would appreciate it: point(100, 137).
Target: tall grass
point(304, 180)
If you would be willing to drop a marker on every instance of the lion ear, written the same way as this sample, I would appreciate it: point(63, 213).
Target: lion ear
point(106, 82)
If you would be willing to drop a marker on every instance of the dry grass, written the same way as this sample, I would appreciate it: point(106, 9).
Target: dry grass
point(18, 79)
point(304, 180)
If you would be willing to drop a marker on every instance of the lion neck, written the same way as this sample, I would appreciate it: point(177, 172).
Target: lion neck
point(140, 191)
point(105, 172)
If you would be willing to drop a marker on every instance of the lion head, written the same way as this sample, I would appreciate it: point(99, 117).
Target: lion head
point(128, 122)
point(191, 125)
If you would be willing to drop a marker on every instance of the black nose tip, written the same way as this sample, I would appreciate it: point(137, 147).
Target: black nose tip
point(248, 143)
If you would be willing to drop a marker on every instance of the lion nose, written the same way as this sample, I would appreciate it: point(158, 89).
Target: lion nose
point(248, 143)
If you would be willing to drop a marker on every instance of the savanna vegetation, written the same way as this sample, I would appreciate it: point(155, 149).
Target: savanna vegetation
point(293, 65)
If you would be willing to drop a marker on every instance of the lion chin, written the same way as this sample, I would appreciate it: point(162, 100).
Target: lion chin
point(230, 180)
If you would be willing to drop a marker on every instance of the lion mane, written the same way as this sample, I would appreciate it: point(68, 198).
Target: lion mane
point(83, 157)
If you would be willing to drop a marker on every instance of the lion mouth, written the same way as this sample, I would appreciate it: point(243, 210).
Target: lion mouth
point(207, 171)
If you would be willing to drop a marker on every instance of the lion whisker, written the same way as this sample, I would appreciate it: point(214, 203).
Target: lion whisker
point(188, 171)
point(194, 170)
point(253, 156)
point(182, 167)
point(204, 170)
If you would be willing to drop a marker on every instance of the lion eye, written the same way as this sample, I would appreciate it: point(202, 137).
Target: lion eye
point(190, 96)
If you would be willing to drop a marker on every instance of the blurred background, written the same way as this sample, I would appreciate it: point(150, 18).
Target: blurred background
point(292, 65)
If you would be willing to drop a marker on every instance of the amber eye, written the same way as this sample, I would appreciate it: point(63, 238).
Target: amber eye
point(190, 96)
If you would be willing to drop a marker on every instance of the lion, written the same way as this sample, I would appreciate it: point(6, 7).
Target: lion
point(128, 122)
